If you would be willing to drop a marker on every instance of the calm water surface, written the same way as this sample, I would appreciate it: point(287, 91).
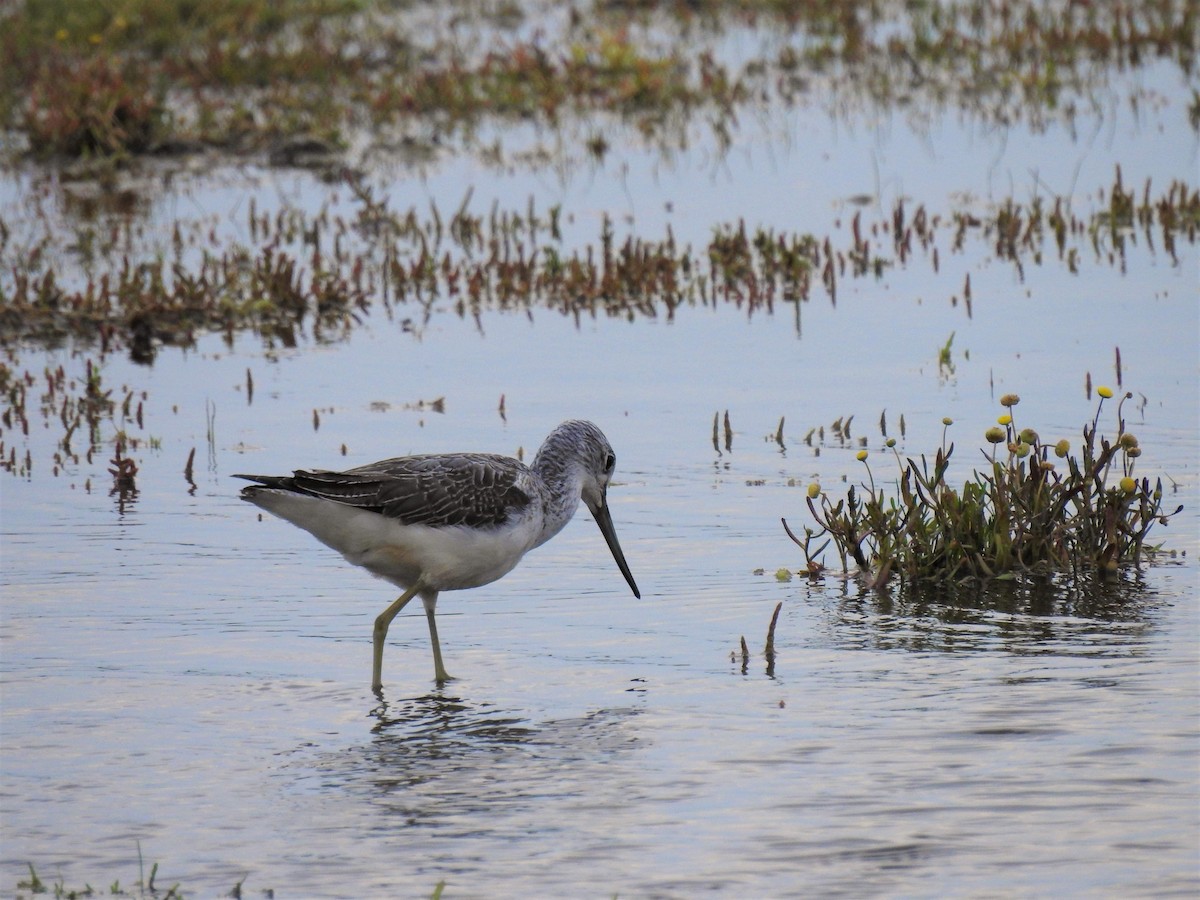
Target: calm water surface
point(186, 676)
point(179, 674)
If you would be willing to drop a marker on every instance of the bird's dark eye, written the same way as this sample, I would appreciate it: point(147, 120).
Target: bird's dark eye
point(609, 462)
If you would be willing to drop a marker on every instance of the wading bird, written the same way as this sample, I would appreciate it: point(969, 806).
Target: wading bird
point(447, 521)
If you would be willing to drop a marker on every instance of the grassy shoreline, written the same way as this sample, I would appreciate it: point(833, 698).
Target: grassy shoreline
point(133, 77)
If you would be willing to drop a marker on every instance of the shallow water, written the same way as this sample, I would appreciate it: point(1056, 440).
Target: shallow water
point(180, 675)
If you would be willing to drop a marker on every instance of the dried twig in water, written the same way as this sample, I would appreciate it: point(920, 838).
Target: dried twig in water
point(769, 650)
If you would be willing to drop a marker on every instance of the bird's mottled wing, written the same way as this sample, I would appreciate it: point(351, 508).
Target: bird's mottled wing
point(471, 489)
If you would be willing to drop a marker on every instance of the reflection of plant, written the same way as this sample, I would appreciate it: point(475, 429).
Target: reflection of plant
point(1021, 514)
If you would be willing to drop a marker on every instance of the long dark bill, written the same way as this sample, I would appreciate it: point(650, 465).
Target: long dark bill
point(604, 520)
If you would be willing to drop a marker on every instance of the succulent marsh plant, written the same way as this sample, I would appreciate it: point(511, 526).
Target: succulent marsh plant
point(1020, 513)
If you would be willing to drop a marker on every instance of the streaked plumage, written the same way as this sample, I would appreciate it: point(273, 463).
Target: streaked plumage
point(442, 522)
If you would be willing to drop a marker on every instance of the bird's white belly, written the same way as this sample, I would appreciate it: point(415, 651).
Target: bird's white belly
point(449, 559)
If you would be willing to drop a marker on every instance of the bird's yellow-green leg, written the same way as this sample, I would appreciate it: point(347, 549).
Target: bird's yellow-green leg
point(382, 623)
point(439, 670)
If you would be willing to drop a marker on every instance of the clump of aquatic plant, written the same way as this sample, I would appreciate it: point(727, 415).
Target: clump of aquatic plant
point(143, 887)
point(304, 272)
point(97, 105)
point(1035, 507)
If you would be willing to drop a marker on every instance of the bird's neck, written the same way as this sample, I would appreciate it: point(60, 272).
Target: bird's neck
point(562, 482)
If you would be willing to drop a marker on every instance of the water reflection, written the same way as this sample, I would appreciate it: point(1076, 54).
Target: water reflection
point(439, 719)
point(1043, 614)
point(442, 760)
